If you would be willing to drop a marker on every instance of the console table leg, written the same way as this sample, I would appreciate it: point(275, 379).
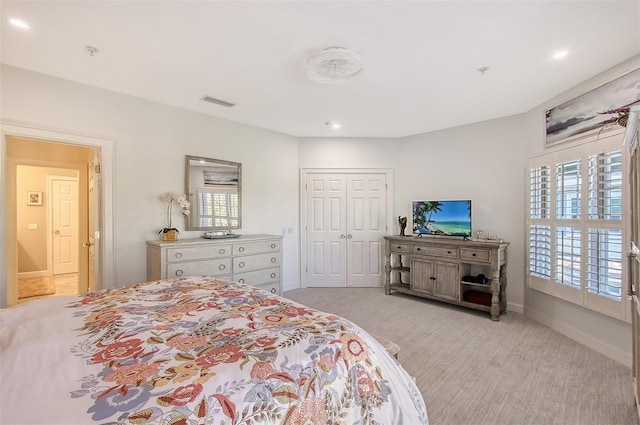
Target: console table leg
point(495, 297)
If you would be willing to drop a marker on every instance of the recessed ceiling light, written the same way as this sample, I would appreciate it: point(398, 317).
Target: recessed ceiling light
point(19, 23)
point(561, 54)
point(333, 125)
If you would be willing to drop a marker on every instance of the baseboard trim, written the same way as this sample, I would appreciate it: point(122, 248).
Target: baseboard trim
point(517, 308)
point(595, 344)
point(38, 273)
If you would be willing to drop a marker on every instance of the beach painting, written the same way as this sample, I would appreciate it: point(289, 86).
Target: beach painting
point(586, 113)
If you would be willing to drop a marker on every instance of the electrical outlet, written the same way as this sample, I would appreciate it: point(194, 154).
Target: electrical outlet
point(290, 230)
point(33, 226)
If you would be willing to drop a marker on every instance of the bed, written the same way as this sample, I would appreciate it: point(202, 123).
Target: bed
point(195, 350)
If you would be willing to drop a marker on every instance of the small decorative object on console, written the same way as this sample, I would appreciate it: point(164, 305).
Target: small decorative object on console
point(403, 224)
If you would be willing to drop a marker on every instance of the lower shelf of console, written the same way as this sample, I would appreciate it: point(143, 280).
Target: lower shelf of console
point(406, 289)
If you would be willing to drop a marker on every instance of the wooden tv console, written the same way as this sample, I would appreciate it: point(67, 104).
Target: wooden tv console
point(434, 268)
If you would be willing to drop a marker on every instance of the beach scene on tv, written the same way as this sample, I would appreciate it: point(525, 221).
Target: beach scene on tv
point(446, 218)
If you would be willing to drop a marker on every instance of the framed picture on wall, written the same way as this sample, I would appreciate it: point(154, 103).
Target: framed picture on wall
point(34, 198)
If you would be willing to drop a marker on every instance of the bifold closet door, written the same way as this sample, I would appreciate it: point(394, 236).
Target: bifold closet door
point(346, 216)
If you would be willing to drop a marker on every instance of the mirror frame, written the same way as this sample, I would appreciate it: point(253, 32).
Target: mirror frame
point(188, 191)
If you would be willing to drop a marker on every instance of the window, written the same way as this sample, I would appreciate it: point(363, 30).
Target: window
point(575, 243)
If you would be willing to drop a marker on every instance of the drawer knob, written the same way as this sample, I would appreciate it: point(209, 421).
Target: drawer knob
point(222, 267)
point(179, 254)
point(473, 255)
point(273, 246)
point(241, 249)
point(449, 252)
point(274, 259)
point(241, 264)
point(399, 247)
point(241, 280)
point(221, 251)
point(273, 290)
point(273, 275)
point(418, 249)
point(179, 272)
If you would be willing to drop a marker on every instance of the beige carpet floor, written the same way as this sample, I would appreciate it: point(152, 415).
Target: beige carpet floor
point(473, 371)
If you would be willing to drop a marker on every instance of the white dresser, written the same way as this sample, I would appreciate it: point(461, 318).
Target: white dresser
point(252, 259)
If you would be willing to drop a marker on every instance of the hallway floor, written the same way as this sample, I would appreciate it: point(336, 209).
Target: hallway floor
point(66, 284)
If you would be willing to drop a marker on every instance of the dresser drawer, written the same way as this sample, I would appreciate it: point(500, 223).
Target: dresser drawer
point(274, 288)
point(197, 252)
point(258, 277)
point(199, 268)
point(483, 255)
point(256, 247)
point(400, 247)
point(436, 251)
point(255, 262)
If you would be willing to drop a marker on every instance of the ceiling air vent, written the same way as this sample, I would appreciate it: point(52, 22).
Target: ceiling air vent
point(218, 101)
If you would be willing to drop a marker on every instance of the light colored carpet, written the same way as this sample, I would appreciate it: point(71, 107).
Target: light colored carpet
point(36, 286)
point(473, 371)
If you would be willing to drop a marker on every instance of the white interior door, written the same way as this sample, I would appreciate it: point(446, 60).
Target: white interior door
point(64, 203)
point(345, 222)
point(326, 230)
point(366, 225)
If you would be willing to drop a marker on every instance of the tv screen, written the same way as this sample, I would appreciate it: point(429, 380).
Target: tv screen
point(445, 218)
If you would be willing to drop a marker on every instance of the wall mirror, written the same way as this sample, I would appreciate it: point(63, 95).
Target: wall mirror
point(214, 188)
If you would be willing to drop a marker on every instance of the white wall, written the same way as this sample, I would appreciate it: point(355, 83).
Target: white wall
point(150, 143)
point(482, 162)
point(609, 336)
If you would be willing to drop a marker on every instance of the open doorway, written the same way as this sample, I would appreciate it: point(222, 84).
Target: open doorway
point(53, 223)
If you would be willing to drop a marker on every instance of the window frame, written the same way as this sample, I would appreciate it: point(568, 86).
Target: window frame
point(582, 295)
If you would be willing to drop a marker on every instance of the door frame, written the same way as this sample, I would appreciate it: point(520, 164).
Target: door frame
point(8, 278)
point(303, 205)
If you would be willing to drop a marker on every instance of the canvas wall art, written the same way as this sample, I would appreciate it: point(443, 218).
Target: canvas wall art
point(586, 113)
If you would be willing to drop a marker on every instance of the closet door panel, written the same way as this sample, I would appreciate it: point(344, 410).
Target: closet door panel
point(326, 239)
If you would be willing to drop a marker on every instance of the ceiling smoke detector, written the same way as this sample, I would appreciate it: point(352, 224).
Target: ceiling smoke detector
point(334, 65)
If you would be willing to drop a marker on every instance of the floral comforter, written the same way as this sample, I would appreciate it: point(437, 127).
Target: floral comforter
point(195, 351)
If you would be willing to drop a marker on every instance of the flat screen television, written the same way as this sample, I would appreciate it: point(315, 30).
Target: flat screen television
point(442, 218)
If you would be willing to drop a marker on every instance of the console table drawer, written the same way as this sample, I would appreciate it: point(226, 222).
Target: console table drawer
point(256, 247)
point(255, 262)
point(401, 247)
point(258, 277)
point(197, 253)
point(199, 268)
point(483, 255)
point(436, 251)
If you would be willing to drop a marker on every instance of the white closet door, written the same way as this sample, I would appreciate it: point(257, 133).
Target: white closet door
point(345, 223)
point(326, 230)
point(366, 218)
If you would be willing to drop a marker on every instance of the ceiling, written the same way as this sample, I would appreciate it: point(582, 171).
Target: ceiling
point(421, 58)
